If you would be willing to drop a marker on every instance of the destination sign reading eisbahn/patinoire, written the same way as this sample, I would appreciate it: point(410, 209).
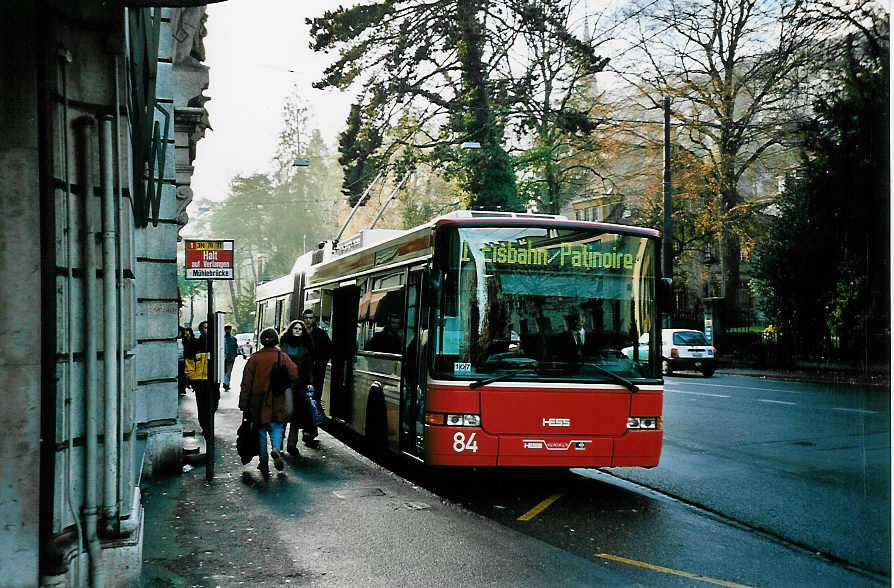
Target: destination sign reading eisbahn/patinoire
point(565, 255)
point(209, 259)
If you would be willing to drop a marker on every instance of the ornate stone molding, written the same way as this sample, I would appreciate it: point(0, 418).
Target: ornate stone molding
point(191, 79)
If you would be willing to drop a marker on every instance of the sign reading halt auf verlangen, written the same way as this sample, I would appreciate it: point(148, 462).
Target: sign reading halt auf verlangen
point(209, 259)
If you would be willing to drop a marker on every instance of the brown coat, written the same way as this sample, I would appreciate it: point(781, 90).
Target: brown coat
point(255, 394)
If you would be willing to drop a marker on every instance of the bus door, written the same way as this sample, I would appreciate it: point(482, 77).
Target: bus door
point(345, 302)
point(413, 377)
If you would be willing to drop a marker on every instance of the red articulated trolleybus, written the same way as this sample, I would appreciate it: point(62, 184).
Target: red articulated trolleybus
point(489, 339)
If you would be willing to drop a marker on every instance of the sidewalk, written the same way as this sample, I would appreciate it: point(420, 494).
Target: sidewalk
point(817, 376)
point(331, 518)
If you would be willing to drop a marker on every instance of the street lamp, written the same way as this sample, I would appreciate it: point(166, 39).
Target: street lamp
point(470, 145)
point(300, 163)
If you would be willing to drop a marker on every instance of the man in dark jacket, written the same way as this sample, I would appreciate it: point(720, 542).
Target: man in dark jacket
point(322, 351)
point(389, 339)
point(231, 350)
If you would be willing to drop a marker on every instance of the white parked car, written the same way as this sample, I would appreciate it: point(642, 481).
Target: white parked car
point(681, 349)
point(245, 343)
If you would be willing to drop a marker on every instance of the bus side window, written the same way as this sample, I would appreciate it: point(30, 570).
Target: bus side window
point(277, 321)
point(362, 311)
point(323, 308)
point(312, 302)
point(385, 321)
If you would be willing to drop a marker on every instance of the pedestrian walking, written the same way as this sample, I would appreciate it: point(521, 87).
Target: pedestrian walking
point(258, 399)
point(181, 363)
point(296, 342)
point(322, 347)
point(231, 350)
point(206, 399)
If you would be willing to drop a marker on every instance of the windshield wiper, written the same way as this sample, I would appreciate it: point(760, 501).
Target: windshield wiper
point(575, 367)
point(508, 375)
point(500, 378)
point(615, 377)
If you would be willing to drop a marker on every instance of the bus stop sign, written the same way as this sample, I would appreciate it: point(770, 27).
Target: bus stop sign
point(209, 259)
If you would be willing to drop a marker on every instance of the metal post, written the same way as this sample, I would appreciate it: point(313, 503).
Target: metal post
point(212, 387)
point(668, 244)
point(668, 207)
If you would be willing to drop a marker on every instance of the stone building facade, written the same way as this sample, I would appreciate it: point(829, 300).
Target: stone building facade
point(101, 108)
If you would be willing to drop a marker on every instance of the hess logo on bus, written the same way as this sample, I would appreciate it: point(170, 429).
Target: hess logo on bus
point(556, 422)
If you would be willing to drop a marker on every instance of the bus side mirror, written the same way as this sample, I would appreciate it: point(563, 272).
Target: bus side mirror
point(665, 296)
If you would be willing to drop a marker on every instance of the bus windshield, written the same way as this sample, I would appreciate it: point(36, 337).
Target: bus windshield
point(547, 303)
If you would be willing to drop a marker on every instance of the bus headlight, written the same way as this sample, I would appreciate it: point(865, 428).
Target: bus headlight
point(464, 420)
point(644, 423)
point(471, 420)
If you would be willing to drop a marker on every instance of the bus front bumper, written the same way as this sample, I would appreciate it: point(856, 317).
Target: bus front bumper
point(465, 446)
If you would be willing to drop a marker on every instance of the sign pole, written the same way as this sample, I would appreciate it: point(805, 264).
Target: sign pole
point(210, 259)
point(213, 386)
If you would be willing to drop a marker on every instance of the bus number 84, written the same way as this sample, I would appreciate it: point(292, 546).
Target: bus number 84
point(460, 443)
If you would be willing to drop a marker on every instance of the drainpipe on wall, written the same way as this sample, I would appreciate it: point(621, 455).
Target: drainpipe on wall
point(110, 505)
point(86, 134)
point(125, 452)
point(64, 59)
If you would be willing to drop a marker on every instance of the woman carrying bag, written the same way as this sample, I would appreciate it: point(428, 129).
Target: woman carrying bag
point(297, 343)
point(262, 400)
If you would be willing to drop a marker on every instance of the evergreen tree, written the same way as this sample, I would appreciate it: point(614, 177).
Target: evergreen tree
point(445, 60)
point(825, 269)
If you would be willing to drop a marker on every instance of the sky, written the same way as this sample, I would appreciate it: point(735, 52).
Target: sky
point(256, 52)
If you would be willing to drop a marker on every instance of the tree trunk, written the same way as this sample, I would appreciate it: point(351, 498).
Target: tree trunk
point(234, 303)
point(731, 252)
point(474, 90)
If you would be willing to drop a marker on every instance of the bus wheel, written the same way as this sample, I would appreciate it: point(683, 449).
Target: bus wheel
point(708, 372)
point(376, 433)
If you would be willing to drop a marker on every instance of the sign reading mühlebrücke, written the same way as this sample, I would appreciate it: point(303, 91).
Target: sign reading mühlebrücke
point(209, 259)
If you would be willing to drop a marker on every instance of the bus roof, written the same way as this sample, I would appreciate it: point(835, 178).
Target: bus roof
point(472, 217)
point(275, 287)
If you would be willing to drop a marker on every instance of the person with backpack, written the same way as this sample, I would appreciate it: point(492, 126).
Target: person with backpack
point(267, 375)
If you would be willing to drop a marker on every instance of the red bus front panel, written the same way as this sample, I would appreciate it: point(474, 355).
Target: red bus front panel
point(545, 425)
point(638, 448)
point(460, 446)
point(553, 409)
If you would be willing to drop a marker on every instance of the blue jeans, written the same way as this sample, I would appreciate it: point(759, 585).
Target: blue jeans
point(275, 430)
point(228, 367)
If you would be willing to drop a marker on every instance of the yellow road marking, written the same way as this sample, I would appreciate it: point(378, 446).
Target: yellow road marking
point(664, 570)
point(539, 508)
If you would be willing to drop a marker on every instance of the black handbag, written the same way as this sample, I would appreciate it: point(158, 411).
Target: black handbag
point(279, 377)
point(247, 443)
